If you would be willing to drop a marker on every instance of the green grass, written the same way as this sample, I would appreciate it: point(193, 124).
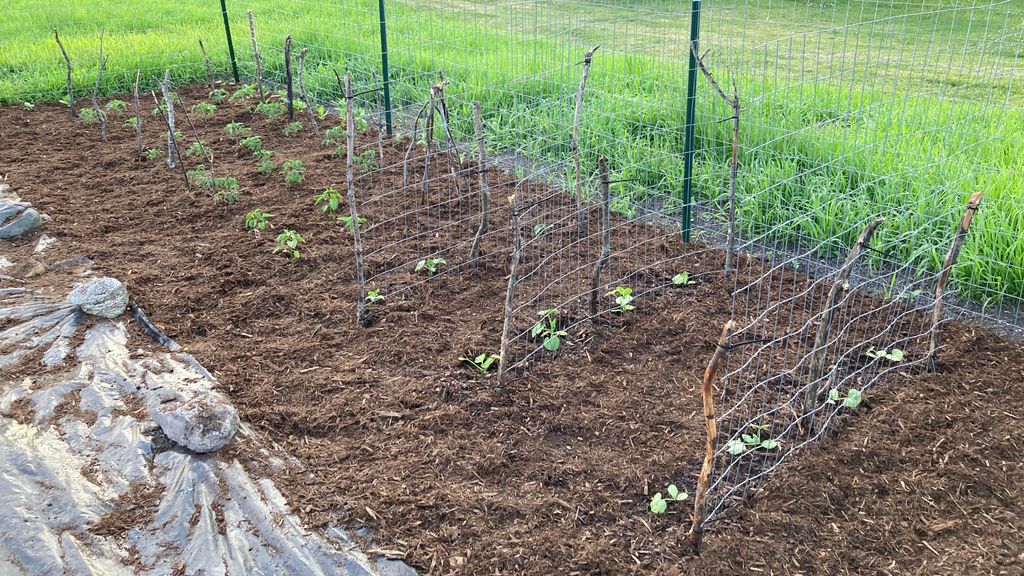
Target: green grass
point(852, 108)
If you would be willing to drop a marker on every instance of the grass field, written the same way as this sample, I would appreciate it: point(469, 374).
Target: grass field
point(852, 108)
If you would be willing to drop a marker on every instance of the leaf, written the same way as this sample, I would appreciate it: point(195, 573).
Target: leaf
point(750, 439)
point(769, 444)
point(735, 447)
point(421, 265)
point(536, 330)
point(658, 504)
point(673, 491)
point(896, 355)
point(479, 359)
point(833, 396)
point(853, 398)
point(552, 343)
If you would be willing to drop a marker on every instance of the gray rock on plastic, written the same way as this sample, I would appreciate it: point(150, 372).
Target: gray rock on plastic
point(202, 424)
point(28, 220)
point(103, 297)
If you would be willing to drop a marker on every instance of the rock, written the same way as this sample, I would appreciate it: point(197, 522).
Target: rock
point(27, 221)
point(35, 269)
point(202, 424)
point(103, 297)
point(9, 210)
point(44, 242)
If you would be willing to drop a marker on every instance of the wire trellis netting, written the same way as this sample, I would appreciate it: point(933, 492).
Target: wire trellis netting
point(819, 156)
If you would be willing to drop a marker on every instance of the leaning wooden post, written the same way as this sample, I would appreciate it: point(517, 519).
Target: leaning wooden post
point(302, 91)
point(138, 113)
point(350, 122)
point(67, 64)
point(606, 249)
point(934, 340)
point(288, 77)
point(825, 327)
point(256, 56)
point(581, 213)
point(172, 143)
point(707, 392)
point(485, 192)
point(429, 137)
point(171, 139)
point(209, 69)
point(513, 278)
point(100, 116)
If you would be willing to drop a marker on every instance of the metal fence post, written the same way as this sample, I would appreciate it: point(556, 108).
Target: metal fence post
point(384, 68)
point(231, 45)
point(691, 120)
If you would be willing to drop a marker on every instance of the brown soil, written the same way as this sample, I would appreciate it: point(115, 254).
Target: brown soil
point(554, 475)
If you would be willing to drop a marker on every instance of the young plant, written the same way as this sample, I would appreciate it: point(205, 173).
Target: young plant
point(204, 109)
point(347, 221)
point(541, 230)
point(292, 129)
point(895, 355)
point(199, 176)
point(366, 161)
point(659, 503)
point(547, 328)
point(483, 362)
point(294, 172)
point(430, 265)
point(117, 106)
point(852, 399)
point(623, 299)
point(334, 136)
point(265, 163)
point(152, 154)
point(329, 200)
point(759, 438)
point(28, 106)
point(225, 189)
point(218, 95)
point(244, 93)
point(321, 112)
point(271, 110)
point(288, 243)
point(257, 220)
point(374, 297)
point(88, 116)
point(254, 144)
point(237, 130)
point(197, 148)
point(683, 279)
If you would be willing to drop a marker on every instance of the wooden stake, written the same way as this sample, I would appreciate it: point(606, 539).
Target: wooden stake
point(302, 91)
point(707, 393)
point(138, 113)
point(350, 124)
point(431, 108)
point(485, 191)
point(67, 63)
point(581, 212)
point(412, 144)
point(288, 77)
point(513, 278)
point(100, 116)
point(954, 252)
point(606, 250)
point(209, 69)
point(180, 164)
point(256, 57)
point(172, 142)
point(825, 327)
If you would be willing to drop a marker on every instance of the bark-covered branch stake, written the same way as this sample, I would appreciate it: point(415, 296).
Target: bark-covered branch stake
point(451, 148)
point(581, 212)
point(100, 116)
point(350, 125)
point(138, 113)
point(821, 339)
point(412, 144)
point(485, 192)
point(256, 56)
point(67, 63)
point(734, 104)
point(171, 138)
point(380, 124)
point(302, 91)
point(707, 393)
point(431, 108)
point(513, 278)
point(606, 248)
point(288, 76)
point(954, 252)
point(209, 69)
point(172, 141)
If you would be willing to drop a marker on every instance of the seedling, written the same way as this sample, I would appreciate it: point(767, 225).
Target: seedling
point(131, 122)
point(218, 95)
point(237, 130)
point(321, 112)
point(244, 93)
point(910, 295)
point(623, 299)
point(366, 161)
point(288, 243)
point(178, 136)
point(541, 230)
point(271, 110)
point(28, 106)
point(226, 189)
point(334, 136)
point(683, 279)
point(204, 109)
point(852, 399)
point(895, 355)
point(547, 328)
point(347, 221)
point(294, 172)
point(483, 363)
point(659, 503)
point(265, 164)
point(117, 106)
point(198, 176)
point(253, 144)
point(430, 265)
point(292, 129)
point(374, 297)
point(197, 148)
point(257, 220)
point(329, 200)
point(88, 115)
point(758, 438)
point(152, 154)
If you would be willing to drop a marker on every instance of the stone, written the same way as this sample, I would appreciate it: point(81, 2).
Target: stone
point(11, 209)
point(27, 221)
point(103, 297)
point(202, 424)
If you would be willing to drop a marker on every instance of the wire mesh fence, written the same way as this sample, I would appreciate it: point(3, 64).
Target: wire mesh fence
point(549, 141)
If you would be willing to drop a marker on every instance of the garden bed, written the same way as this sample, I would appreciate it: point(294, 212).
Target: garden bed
point(555, 474)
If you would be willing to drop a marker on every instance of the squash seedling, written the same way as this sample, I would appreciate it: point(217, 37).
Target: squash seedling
point(483, 363)
point(547, 328)
point(683, 279)
point(430, 265)
point(758, 438)
point(374, 297)
point(659, 503)
point(288, 243)
point(895, 355)
point(623, 299)
point(329, 200)
point(852, 399)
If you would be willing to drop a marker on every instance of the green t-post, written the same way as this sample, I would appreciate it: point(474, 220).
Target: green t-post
point(691, 120)
point(231, 45)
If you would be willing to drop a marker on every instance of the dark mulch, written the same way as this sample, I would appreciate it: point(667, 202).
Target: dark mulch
point(554, 475)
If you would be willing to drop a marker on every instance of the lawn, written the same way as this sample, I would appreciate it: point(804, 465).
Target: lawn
point(851, 109)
